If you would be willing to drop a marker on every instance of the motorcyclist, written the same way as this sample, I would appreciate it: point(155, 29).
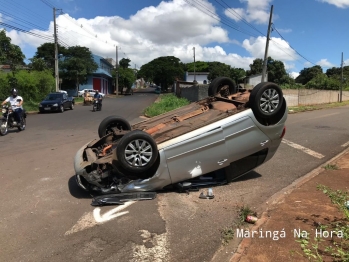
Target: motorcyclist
point(98, 97)
point(16, 102)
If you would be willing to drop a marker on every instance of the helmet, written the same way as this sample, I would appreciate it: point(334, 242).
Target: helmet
point(14, 92)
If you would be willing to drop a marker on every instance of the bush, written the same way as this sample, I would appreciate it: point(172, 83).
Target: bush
point(32, 86)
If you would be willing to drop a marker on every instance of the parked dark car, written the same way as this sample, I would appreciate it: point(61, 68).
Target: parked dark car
point(56, 102)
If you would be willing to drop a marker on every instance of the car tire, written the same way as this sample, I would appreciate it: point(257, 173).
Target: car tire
point(136, 151)
point(215, 88)
point(72, 106)
point(23, 125)
point(61, 109)
point(266, 100)
point(110, 122)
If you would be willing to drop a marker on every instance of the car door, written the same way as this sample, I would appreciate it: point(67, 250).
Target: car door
point(243, 138)
point(65, 101)
point(201, 154)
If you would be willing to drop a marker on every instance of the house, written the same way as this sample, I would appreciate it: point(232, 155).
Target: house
point(101, 79)
point(253, 80)
point(201, 77)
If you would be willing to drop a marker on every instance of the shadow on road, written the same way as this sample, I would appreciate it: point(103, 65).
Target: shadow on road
point(248, 176)
point(75, 190)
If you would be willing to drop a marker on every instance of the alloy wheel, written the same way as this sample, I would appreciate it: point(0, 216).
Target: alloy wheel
point(138, 152)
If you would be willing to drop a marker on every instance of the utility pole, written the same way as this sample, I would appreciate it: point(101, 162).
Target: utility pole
point(194, 67)
point(342, 81)
point(56, 49)
point(117, 73)
point(264, 71)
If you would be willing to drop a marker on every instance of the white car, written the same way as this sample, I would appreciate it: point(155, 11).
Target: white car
point(238, 130)
point(90, 91)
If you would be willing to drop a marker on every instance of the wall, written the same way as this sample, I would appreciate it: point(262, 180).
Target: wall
point(194, 93)
point(312, 97)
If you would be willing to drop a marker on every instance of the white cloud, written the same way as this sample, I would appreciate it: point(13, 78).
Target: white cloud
point(346, 62)
point(337, 3)
point(278, 48)
point(294, 75)
point(257, 11)
point(325, 64)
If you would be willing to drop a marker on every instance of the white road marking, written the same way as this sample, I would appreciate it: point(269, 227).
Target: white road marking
point(345, 144)
point(111, 213)
point(302, 148)
point(91, 219)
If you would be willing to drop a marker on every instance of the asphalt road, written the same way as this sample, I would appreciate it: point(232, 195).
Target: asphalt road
point(45, 217)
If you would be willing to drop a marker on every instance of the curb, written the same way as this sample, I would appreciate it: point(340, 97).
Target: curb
point(276, 199)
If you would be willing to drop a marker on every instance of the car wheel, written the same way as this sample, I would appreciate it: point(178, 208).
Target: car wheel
point(136, 151)
point(61, 109)
point(216, 87)
point(23, 125)
point(41, 111)
point(266, 99)
point(72, 106)
point(110, 122)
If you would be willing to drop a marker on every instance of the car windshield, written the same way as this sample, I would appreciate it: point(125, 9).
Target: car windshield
point(53, 97)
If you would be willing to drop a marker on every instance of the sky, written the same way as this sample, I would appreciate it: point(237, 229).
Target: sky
point(304, 32)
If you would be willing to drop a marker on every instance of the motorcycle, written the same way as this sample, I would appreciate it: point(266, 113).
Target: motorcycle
point(8, 120)
point(97, 106)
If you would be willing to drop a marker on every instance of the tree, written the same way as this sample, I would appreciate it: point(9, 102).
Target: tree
point(276, 70)
point(237, 74)
point(77, 64)
point(256, 67)
point(200, 66)
point(37, 64)
point(126, 77)
point(217, 69)
point(308, 74)
point(162, 70)
point(9, 53)
point(47, 52)
point(124, 63)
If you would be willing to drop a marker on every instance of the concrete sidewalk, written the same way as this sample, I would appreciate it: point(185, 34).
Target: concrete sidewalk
point(299, 207)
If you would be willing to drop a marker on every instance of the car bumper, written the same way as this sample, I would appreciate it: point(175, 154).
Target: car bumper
point(49, 109)
point(159, 180)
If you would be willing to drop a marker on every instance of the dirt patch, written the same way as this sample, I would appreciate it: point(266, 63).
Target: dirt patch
point(301, 212)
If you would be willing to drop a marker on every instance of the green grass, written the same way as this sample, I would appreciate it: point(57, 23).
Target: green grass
point(331, 167)
point(31, 106)
point(296, 109)
point(165, 103)
point(78, 99)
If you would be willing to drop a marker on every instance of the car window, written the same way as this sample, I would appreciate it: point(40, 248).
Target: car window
point(53, 97)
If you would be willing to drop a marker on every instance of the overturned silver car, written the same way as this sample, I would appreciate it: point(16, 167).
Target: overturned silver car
point(241, 129)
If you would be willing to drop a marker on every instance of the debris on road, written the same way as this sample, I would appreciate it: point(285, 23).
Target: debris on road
point(251, 219)
point(120, 199)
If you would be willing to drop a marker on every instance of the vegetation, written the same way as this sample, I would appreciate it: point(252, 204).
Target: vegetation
point(337, 249)
point(166, 103)
point(77, 65)
point(163, 71)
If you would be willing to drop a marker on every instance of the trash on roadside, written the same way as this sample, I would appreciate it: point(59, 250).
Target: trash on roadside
point(251, 219)
point(208, 196)
point(347, 204)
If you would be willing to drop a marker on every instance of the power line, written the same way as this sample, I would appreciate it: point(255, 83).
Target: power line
point(214, 16)
point(291, 46)
point(230, 9)
point(26, 31)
